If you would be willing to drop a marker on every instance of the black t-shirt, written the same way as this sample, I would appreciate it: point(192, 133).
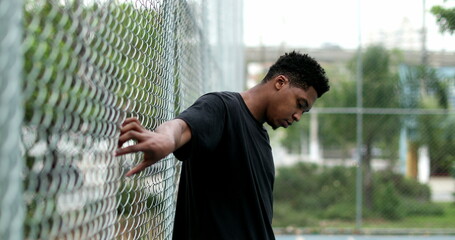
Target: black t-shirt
point(227, 177)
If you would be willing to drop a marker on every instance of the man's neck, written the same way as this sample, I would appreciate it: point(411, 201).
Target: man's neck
point(256, 101)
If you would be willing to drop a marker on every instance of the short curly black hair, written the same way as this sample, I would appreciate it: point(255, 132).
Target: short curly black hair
point(302, 70)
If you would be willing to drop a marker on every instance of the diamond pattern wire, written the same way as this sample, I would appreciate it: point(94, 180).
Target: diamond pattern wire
point(87, 65)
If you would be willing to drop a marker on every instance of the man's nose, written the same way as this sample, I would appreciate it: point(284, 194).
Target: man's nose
point(297, 116)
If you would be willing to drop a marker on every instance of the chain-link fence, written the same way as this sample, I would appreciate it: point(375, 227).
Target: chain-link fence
point(376, 154)
point(71, 72)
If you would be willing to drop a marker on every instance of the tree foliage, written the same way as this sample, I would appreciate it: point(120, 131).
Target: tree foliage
point(445, 17)
point(337, 130)
point(380, 90)
point(425, 88)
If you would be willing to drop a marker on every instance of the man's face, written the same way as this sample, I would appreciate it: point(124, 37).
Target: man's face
point(288, 104)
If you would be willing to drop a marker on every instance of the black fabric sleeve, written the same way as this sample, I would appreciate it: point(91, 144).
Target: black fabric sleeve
point(206, 121)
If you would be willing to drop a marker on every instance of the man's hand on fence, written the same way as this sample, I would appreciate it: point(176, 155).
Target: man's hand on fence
point(155, 146)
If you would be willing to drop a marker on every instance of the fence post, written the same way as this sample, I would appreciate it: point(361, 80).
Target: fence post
point(359, 79)
point(170, 22)
point(11, 115)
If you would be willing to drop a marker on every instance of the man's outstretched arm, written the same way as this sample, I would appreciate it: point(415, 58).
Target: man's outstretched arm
point(155, 145)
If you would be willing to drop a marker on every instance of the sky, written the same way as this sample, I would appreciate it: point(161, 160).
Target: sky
point(313, 23)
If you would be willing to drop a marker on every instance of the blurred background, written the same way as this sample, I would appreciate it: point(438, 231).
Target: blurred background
point(375, 155)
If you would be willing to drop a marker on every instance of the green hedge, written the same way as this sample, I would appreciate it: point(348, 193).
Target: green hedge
point(307, 194)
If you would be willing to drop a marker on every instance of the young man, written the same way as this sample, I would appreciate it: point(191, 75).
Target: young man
point(227, 177)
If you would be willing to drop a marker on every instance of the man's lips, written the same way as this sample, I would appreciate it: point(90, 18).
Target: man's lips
point(286, 124)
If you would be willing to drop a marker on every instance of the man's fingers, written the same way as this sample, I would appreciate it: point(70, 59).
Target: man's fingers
point(138, 168)
point(131, 126)
point(129, 149)
point(131, 135)
point(130, 120)
point(130, 129)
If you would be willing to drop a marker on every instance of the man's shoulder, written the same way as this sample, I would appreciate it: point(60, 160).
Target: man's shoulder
point(223, 94)
point(222, 97)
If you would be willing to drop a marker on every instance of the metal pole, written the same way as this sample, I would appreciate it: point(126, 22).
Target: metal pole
point(424, 52)
point(170, 193)
point(359, 77)
point(11, 114)
point(424, 59)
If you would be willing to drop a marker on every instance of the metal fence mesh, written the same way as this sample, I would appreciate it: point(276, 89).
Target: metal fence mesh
point(87, 65)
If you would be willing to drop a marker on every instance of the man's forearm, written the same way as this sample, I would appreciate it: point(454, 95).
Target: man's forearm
point(178, 132)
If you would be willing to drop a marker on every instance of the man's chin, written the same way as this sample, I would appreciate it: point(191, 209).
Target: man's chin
point(274, 127)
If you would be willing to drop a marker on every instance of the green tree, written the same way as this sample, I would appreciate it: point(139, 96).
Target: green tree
point(445, 17)
point(336, 130)
point(436, 131)
point(442, 149)
point(380, 90)
point(422, 87)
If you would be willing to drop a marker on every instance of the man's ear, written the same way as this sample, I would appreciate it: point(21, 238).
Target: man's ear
point(280, 81)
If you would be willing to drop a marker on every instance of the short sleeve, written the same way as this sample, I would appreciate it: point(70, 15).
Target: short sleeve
point(206, 118)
